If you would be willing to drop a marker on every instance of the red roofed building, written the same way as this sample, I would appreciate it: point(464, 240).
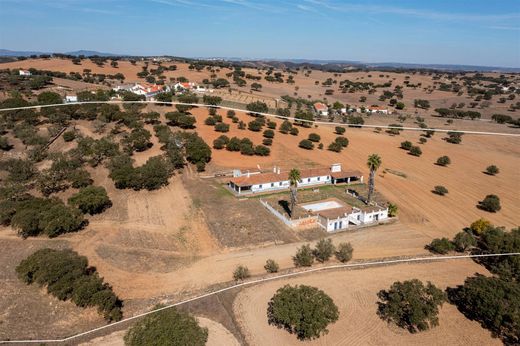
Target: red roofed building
point(377, 109)
point(321, 108)
point(278, 180)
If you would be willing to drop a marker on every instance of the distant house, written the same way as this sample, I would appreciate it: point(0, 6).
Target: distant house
point(321, 108)
point(377, 109)
point(71, 98)
point(24, 73)
point(148, 90)
point(277, 180)
point(184, 86)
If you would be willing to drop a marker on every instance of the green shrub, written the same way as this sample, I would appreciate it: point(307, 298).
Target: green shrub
point(221, 127)
point(294, 131)
point(406, 145)
point(271, 266)
point(306, 144)
point(267, 141)
point(343, 141)
point(268, 133)
point(335, 146)
point(314, 137)
point(492, 170)
point(344, 252)
point(69, 136)
point(340, 130)
point(303, 256)
point(211, 121)
point(91, 200)
point(440, 190)
point(415, 151)
point(286, 127)
point(443, 161)
point(302, 310)
point(261, 150)
point(324, 250)
point(464, 241)
point(254, 125)
point(271, 125)
point(490, 203)
point(241, 273)
point(441, 246)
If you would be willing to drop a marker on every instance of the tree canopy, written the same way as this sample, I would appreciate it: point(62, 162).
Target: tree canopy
point(302, 310)
point(411, 305)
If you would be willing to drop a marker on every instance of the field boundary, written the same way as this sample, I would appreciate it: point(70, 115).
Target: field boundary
point(267, 115)
point(361, 265)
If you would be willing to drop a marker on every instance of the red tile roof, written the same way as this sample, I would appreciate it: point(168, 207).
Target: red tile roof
point(320, 106)
point(271, 177)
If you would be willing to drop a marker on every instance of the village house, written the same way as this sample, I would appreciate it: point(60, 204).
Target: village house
point(149, 90)
point(377, 109)
point(321, 109)
point(334, 215)
point(71, 98)
point(247, 183)
point(24, 73)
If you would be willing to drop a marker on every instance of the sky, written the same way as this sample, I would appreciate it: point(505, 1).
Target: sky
point(469, 32)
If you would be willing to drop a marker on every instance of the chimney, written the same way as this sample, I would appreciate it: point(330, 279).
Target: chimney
point(274, 169)
point(248, 174)
point(278, 170)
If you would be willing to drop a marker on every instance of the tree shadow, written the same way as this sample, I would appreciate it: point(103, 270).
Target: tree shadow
point(285, 205)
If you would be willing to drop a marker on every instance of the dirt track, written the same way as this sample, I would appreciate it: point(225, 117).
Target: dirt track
point(354, 292)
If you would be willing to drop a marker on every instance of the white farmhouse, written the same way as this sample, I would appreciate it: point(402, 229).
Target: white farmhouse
point(334, 215)
point(277, 180)
point(24, 72)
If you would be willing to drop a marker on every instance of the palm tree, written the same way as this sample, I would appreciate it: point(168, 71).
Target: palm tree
point(373, 163)
point(294, 178)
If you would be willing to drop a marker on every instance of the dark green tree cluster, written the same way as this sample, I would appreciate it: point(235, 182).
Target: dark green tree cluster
point(339, 143)
point(169, 327)
point(493, 301)
point(245, 146)
point(68, 276)
point(180, 119)
point(257, 107)
point(151, 176)
point(137, 140)
point(454, 137)
point(411, 305)
point(91, 200)
point(302, 310)
point(32, 216)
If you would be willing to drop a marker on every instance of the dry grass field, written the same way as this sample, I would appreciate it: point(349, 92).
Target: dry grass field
point(303, 86)
point(191, 234)
point(355, 294)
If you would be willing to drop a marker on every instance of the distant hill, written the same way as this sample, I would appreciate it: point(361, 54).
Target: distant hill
point(91, 53)
point(328, 65)
point(7, 52)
